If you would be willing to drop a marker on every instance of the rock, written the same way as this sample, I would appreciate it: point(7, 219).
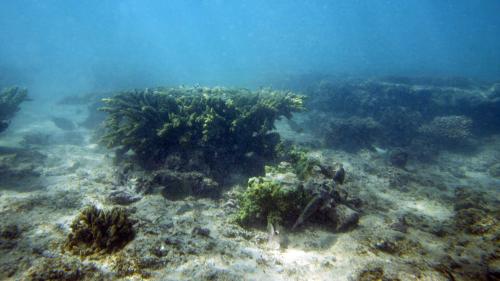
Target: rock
point(63, 123)
point(343, 217)
point(9, 235)
point(184, 208)
point(10, 232)
point(201, 231)
point(122, 197)
point(371, 274)
point(386, 246)
point(398, 158)
point(339, 176)
point(400, 225)
point(176, 185)
point(474, 221)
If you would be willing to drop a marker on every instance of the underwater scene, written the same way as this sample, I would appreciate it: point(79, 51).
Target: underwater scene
point(250, 140)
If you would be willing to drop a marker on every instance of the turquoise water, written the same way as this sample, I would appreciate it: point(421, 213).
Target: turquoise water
point(67, 46)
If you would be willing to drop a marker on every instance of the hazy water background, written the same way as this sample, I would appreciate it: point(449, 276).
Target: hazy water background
point(69, 47)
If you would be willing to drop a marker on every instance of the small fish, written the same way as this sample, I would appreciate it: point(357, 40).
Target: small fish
point(380, 151)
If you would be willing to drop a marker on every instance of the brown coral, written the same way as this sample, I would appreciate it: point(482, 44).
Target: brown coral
point(97, 231)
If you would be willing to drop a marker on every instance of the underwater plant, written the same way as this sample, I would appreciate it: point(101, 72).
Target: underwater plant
point(10, 99)
point(227, 127)
point(96, 231)
point(280, 198)
point(269, 201)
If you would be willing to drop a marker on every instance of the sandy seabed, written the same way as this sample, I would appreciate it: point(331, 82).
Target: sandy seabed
point(414, 224)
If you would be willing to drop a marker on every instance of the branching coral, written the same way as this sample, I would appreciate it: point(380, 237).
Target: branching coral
point(228, 126)
point(10, 99)
point(97, 231)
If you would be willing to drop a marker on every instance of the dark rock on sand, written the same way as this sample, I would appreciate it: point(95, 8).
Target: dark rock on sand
point(122, 197)
point(398, 158)
point(343, 217)
point(63, 123)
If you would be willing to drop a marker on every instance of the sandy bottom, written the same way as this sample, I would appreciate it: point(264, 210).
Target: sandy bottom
point(66, 175)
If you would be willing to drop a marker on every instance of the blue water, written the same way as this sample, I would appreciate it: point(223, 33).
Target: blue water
point(60, 47)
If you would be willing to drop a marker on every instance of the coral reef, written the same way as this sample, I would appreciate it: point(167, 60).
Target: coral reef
point(419, 114)
point(10, 99)
point(96, 231)
point(221, 128)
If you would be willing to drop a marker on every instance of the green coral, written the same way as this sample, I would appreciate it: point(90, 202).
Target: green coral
point(97, 231)
point(270, 201)
point(230, 126)
point(10, 99)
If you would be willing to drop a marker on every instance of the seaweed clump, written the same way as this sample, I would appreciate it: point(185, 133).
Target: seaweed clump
point(10, 99)
point(282, 198)
point(97, 231)
point(218, 127)
point(276, 200)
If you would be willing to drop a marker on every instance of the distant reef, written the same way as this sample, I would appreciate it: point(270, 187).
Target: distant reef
point(421, 115)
